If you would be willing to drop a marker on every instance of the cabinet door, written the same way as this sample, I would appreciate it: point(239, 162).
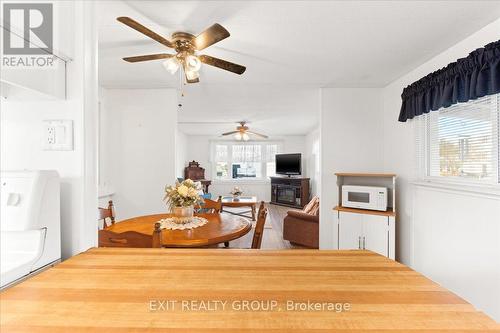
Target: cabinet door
point(376, 234)
point(350, 230)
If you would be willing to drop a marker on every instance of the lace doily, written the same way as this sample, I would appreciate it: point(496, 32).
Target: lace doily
point(170, 224)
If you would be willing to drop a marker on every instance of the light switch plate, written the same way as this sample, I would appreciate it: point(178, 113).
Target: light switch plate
point(57, 135)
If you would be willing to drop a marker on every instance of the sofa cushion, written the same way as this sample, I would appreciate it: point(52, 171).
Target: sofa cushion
point(307, 209)
point(301, 228)
point(302, 216)
point(315, 209)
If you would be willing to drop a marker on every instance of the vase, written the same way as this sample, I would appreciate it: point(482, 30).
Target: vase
point(183, 214)
point(236, 197)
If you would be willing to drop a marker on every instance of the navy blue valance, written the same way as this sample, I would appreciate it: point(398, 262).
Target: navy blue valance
point(466, 79)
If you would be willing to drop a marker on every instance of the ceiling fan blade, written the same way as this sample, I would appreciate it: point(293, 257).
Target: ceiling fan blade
point(210, 36)
point(223, 64)
point(257, 134)
point(229, 133)
point(142, 29)
point(148, 57)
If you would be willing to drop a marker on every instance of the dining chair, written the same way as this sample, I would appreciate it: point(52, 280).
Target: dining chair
point(107, 213)
point(259, 226)
point(210, 206)
point(130, 238)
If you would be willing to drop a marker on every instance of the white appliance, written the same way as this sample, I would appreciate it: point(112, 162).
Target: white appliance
point(364, 197)
point(30, 223)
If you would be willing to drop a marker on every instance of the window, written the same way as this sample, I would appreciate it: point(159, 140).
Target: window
point(220, 159)
point(461, 142)
point(271, 151)
point(250, 161)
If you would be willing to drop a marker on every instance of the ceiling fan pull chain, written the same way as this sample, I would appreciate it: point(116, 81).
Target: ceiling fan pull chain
point(180, 91)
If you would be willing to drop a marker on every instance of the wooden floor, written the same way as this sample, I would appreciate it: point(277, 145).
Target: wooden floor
point(273, 232)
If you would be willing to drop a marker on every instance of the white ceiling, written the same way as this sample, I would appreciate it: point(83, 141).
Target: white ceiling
point(272, 110)
point(294, 44)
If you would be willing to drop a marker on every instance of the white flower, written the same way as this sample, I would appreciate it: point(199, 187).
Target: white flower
point(183, 190)
point(192, 192)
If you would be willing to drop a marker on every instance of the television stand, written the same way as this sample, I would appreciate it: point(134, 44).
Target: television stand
point(290, 192)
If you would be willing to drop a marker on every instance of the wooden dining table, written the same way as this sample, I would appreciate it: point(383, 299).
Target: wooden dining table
point(219, 229)
point(117, 290)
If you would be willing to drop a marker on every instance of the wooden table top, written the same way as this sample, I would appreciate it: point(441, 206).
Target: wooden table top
point(242, 201)
point(120, 290)
point(219, 229)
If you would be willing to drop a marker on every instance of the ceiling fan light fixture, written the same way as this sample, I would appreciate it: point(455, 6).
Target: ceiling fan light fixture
point(193, 63)
point(192, 75)
point(238, 136)
point(171, 65)
point(245, 137)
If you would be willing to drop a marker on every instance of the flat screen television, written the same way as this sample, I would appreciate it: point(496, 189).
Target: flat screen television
point(289, 164)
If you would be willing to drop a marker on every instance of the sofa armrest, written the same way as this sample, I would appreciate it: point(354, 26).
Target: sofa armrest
point(303, 216)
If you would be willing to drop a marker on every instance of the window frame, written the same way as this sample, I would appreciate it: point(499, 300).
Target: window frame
point(422, 129)
point(229, 160)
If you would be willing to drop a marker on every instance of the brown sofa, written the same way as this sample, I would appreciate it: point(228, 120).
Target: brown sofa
point(301, 227)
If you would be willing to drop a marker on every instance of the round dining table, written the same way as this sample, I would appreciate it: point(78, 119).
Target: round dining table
point(219, 229)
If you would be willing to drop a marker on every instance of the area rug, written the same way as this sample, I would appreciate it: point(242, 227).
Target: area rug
point(244, 210)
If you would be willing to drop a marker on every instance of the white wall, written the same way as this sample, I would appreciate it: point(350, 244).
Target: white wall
point(142, 132)
point(108, 141)
point(198, 149)
point(21, 135)
point(277, 110)
point(180, 153)
point(312, 160)
point(351, 141)
point(450, 236)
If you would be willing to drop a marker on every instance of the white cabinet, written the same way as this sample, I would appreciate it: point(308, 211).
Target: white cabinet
point(376, 233)
point(350, 231)
point(366, 231)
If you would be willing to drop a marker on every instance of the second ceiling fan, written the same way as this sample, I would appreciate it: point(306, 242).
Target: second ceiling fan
point(185, 45)
point(243, 133)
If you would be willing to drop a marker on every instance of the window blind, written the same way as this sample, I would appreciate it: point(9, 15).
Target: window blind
point(271, 151)
point(461, 142)
point(247, 153)
point(221, 153)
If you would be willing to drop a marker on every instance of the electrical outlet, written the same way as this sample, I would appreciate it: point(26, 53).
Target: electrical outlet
point(58, 135)
point(51, 135)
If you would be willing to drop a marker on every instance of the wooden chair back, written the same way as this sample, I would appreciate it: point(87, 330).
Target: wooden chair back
point(106, 213)
point(211, 206)
point(130, 239)
point(259, 226)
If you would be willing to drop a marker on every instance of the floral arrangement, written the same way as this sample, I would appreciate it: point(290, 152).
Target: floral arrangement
point(184, 194)
point(236, 191)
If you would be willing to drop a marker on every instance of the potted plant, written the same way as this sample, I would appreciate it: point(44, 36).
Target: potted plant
point(181, 199)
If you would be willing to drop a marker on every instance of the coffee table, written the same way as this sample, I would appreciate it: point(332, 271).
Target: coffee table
point(250, 202)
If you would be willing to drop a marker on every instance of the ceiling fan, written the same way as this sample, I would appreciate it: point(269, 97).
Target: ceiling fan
point(242, 132)
point(185, 45)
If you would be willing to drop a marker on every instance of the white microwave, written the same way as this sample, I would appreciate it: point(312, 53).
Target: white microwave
point(364, 197)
